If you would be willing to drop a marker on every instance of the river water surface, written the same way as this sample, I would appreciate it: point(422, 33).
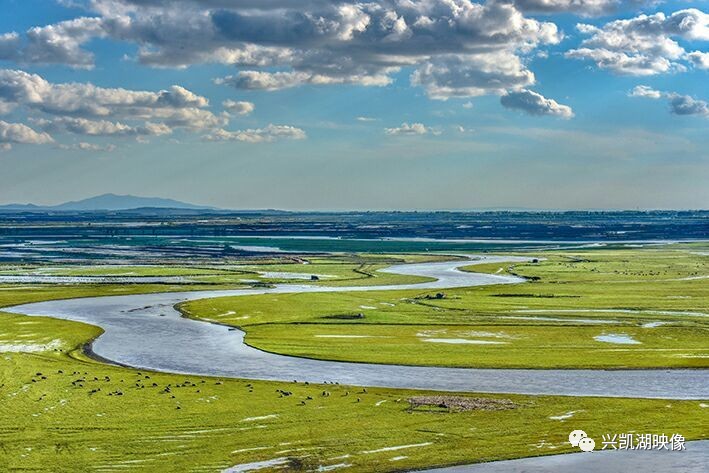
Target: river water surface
point(145, 331)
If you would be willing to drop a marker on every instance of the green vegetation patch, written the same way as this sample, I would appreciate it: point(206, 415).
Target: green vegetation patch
point(582, 309)
point(490, 346)
point(342, 270)
point(62, 412)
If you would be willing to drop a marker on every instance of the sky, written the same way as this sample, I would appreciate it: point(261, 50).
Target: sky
point(357, 104)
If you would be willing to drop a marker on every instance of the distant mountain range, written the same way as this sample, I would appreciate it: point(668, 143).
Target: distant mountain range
point(107, 202)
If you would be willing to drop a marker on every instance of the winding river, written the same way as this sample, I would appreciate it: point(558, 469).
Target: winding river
point(692, 460)
point(145, 331)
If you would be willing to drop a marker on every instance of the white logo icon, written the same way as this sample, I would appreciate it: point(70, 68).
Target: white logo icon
point(578, 438)
point(587, 444)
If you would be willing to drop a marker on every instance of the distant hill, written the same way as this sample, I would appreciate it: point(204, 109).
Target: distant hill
point(108, 202)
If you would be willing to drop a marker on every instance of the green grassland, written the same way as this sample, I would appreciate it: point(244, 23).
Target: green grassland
point(61, 412)
point(116, 270)
point(658, 298)
point(15, 294)
point(337, 270)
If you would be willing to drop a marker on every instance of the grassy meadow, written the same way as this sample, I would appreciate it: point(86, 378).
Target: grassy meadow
point(333, 270)
point(63, 412)
point(656, 301)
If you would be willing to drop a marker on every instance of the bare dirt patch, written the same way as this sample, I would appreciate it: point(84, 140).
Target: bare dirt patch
point(460, 403)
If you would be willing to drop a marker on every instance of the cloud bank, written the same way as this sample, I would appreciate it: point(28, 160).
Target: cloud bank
point(457, 48)
point(89, 110)
point(533, 103)
point(647, 44)
point(407, 129)
point(450, 49)
point(259, 135)
point(678, 104)
point(12, 133)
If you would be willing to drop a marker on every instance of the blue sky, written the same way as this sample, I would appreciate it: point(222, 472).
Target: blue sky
point(438, 104)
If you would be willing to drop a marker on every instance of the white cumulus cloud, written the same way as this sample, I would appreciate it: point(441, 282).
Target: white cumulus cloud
point(91, 147)
point(89, 110)
point(11, 133)
point(679, 104)
point(699, 59)
point(456, 47)
point(534, 103)
point(645, 92)
point(407, 129)
point(583, 7)
point(258, 135)
point(238, 108)
point(646, 44)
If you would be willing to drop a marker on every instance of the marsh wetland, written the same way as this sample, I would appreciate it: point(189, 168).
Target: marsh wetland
point(311, 358)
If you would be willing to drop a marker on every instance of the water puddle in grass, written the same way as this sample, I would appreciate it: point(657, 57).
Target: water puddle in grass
point(456, 337)
point(252, 449)
point(617, 338)
point(287, 275)
point(475, 333)
point(251, 419)
point(333, 467)
point(350, 336)
point(462, 341)
point(398, 447)
point(262, 465)
point(29, 347)
point(559, 319)
point(257, 249)
point(565, 416)
point(615, 311)
point(38, 279)
point(461, 334)
point(654, 324)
